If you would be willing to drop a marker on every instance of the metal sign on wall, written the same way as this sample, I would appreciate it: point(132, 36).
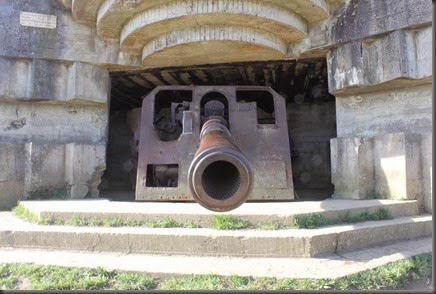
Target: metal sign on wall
point(37, 20)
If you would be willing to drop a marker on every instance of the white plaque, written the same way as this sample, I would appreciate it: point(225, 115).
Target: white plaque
point(37, 20)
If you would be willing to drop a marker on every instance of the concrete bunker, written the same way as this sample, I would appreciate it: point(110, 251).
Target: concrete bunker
point(310, 112)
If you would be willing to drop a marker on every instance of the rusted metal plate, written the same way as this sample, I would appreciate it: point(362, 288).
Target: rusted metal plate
point(271, 174)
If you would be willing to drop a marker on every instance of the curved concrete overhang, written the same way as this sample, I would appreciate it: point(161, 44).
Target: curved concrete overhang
point(142, 26)
point(164, 19)
point(212, 44)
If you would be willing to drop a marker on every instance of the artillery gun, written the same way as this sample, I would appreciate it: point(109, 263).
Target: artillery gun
point(218, 145)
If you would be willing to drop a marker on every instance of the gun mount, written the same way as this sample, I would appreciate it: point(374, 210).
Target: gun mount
point(219, 146)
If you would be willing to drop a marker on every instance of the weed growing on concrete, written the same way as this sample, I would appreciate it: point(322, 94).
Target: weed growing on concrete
point(119, 222)
point(393, 276)
point(311, 221)
point(51, 220)
point(228, 222)
point(272, 226)
point(165, 223)
point(23, 213)
point(317, 220)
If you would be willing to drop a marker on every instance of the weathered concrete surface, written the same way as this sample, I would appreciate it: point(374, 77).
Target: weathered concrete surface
point(43, 122)
point(328, 267)
point(362, 19)
point(89, 31)
point(398, 59)
point(69, 41)
point(114, 16)
point(389, 111)
point(281, 243)
point(394, 166)
point(165, 19)
point(49, 171)
point(150, 26)
point(427, 169)
point(352, 167)
point(212, 45)
point(39, 80)
point(397, 166)
point(11, 174)
point(58, 113)
point(185, 213)
point(63, 171)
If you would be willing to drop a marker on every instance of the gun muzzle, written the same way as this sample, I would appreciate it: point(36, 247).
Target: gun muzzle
point(220, 176)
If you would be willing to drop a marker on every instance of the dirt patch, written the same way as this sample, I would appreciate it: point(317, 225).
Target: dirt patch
point(421, 285)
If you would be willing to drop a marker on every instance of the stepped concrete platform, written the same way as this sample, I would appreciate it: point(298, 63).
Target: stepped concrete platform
point(255, 212)
point(17, 233)
point(331, 266)
point(326, 252)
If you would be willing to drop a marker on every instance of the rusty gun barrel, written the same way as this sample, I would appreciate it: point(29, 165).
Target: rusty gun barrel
point(220, 176)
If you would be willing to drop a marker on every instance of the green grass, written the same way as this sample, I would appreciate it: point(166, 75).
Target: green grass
point(272, 226)
point(23, 213)
point(393, 276)
point(316, 220)
point(41, 277)
point(228, 222)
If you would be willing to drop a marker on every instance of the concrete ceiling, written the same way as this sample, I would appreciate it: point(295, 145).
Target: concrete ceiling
point(302, 81)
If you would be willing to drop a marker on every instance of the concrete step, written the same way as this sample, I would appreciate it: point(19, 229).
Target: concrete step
point(209, 242)
point(254, 212)
point(331, 266)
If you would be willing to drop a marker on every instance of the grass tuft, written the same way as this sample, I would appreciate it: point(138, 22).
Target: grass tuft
point(317, 220)
point(25, 214)
point(200, 282)
point(310, 221)
point(272, 226)
point(132, 281)
point(228, 222)
point(119, 222)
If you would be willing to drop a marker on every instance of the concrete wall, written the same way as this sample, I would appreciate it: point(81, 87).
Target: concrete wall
point(311, 126)
point(380, 73)
point(119, 164)
point(387, 111)
point(390, 166)
point(53, 129)
point(352, 167)
point(69, 41)
point(359, 19)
